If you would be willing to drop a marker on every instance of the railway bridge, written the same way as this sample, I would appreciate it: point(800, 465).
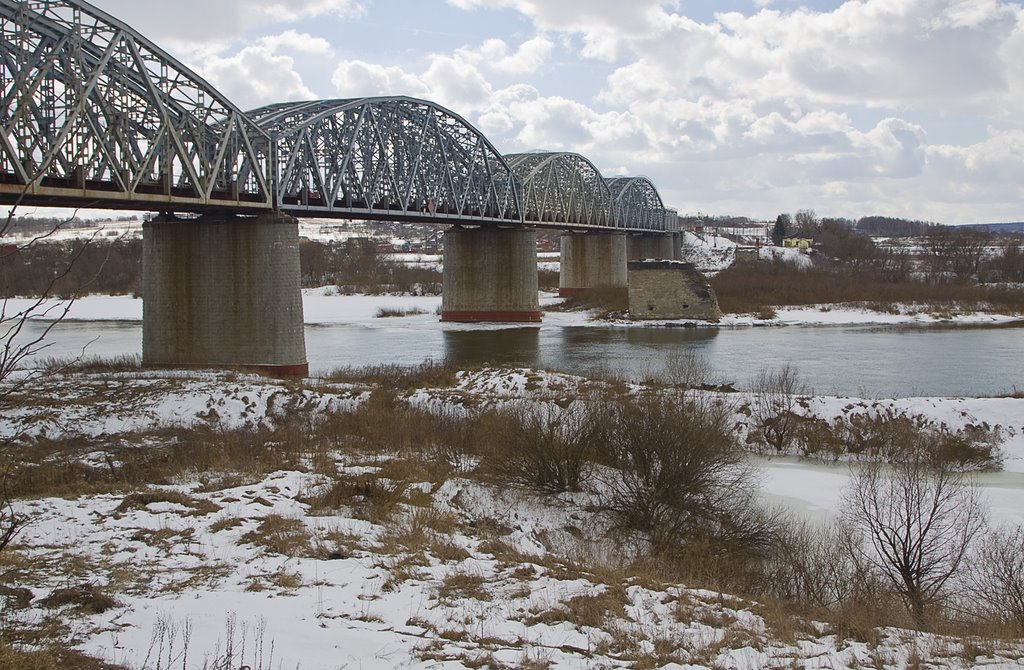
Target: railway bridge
point(94, 115)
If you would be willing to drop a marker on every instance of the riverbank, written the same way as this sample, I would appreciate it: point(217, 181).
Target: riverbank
point(383, 555)
point(325, 306)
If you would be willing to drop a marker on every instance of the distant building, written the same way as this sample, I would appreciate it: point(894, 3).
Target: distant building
point(797, 242)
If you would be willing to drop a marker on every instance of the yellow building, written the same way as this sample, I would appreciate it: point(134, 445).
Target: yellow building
point(797, 242)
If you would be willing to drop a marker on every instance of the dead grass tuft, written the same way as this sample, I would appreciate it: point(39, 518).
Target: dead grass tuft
point(84, 599)
point(463, 585)
point(280, 535)
point(143, 499)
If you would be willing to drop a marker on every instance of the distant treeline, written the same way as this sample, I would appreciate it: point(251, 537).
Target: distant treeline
point(114, 267)
point(45, 224)
point(886, 226)
point(72, 268)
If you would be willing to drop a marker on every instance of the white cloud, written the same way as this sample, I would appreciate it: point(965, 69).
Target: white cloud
point(495, 54)
point(260, 73)
point(456, 84)
point(359, 79)
point(193, 22)
point(256, 76)
point(604, 24)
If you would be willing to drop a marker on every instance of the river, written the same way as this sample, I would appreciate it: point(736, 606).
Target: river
point(867, 361)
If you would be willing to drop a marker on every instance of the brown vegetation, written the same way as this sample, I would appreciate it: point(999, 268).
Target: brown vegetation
point(745, 288)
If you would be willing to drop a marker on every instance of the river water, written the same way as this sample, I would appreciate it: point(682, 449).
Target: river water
point(869, 361)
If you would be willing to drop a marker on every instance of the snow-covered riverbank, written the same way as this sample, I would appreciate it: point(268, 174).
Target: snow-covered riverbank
point(193, 568)
point(325, 306)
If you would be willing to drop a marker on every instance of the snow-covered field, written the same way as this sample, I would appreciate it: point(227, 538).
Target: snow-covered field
point(195, 577)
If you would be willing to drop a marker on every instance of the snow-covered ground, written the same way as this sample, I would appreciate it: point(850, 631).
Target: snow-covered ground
point(427, 589)
point(325, 305)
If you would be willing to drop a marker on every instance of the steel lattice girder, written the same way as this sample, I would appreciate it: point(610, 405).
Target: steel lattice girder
point(562, 188)
point(638, 204)
point(388, 157)
point(92, 112)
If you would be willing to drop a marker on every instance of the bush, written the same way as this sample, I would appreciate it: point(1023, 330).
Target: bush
point(774, 406)
point(675, 473)
point(995, 579)
point(546, 447)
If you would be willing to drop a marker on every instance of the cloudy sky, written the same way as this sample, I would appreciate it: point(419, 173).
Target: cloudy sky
point(906, 108)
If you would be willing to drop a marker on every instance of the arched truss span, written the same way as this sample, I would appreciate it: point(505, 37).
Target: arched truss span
point(562, 188)
point(386, 158)
point(92, 112)
point(637, 204)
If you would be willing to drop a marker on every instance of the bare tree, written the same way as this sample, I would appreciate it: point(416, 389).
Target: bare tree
point(919, 519)
point(18, 343)
point(773, 406)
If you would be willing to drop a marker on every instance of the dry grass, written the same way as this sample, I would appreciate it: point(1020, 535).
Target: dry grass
point(83, 599)
point(281, 535)
point(463, 585)
point(387, 312)
point(141, 500)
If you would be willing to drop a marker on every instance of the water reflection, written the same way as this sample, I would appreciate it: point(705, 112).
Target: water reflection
point(509, 346)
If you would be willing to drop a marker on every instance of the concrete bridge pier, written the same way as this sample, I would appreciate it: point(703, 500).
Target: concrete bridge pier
point(677, 246)
point(223, 291)
point(644, 246)
point(592, 260)
point(490, 274)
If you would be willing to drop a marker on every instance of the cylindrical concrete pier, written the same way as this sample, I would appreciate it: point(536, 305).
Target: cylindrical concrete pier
point(650, 246)
point(223, 291)
point(592, 260)
point(490, 274)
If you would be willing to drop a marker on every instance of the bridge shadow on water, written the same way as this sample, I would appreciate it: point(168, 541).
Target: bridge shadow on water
point(632, 352)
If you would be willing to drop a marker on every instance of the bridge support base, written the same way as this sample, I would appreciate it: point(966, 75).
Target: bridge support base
point(490, 274)
point(657, 246)
point(592, 261)
point(677, 246)
point(223, 291)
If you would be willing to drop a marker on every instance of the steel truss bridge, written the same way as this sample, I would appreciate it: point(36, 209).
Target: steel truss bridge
point(95, 115)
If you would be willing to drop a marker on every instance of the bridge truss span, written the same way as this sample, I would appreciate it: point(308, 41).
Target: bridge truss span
point(94, 114)
point(562, 188)
point(638, 205)
point(387, 158)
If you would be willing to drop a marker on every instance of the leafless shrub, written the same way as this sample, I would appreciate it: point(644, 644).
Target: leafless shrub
point(387, 312)
point(545, 447)
point(686, 370)
point(675, 473)
point(995, 579)
point(919, 519)
point(11, 521)
point(895, 437)
point(773, 406)
point(820, 571)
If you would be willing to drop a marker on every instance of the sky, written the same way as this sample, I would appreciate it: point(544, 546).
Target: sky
point(908, 108)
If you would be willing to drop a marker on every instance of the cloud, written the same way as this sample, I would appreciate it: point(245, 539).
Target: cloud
point(604, 24)
point(197, 22)
point(949, 55)
point(263, 72)
point(256, 76)
point(494, 54)
point(359, 79)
